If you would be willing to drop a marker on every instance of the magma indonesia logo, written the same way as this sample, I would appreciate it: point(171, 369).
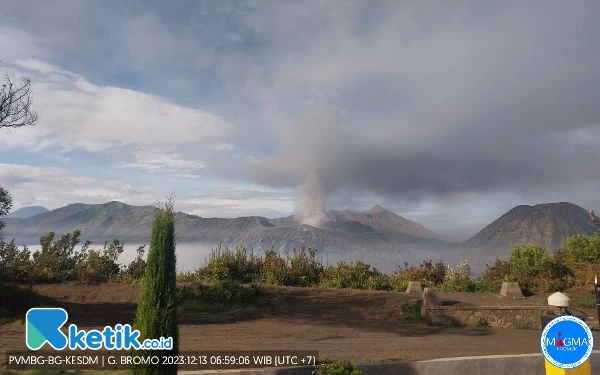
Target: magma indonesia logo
point(43, 325)
point(567, 342)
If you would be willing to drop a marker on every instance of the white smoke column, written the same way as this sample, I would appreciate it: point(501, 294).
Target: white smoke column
point(308, 157)
point(309, 203)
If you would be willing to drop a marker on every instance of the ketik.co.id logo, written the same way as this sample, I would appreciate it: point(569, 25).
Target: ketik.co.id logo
point(567, 342)
point(43, 326)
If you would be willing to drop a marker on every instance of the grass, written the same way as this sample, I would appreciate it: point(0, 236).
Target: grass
point(412, 309)
point(223, 299)
point(586, 301)
point(12, 320)
point(337, 368)
point(482, 323)
point(61, 372)
point(524, 326)
point(215, 308)
point(379, 360)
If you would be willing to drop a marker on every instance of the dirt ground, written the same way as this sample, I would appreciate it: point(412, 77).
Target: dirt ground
point(340, 324)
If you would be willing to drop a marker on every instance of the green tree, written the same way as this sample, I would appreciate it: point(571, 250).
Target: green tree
point(583, 250)
point(528, 263)
point(157, 309)
point(5, 206)
point(99, 265)
point(57, 260)
point(137, 267)
point(14, 263)
point(494, 275)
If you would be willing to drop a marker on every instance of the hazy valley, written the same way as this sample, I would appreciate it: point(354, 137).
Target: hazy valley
point(377, 236)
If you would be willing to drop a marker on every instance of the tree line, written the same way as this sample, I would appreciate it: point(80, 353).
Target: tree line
point(59, 260)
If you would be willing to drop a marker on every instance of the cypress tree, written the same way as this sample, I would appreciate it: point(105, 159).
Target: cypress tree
point(156, 315)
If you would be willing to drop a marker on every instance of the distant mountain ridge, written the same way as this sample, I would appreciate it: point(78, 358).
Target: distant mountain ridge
point(377, 218)
point(25, 212)
point(345, 232)
point(546, 225)
point(368, 233)
point(132, 223)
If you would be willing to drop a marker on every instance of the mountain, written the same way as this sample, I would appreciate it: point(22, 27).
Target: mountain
point(377, 219)
point(370, 235)
point(100, 222)
point(546, 225)
point(25, 212)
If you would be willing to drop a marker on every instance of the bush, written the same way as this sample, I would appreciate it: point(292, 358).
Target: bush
point(304, 268)
point(459, 279)
point(412, 309)
point(494, 275)
point(582, 250)
point(273, 269)
point(224, 291)
point(338, 368)
point(528, 265)
point(99, 265)
point(57, 259)
point(14, 263)
point(357, 275)
point(428, 273)
point(137, 268)
point(224, 263)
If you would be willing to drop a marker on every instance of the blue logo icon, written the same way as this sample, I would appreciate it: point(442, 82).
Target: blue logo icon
point(567, 342)
point(42, 325)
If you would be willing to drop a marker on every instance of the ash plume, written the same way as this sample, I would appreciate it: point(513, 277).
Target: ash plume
point(309, 203)
point(305, 162)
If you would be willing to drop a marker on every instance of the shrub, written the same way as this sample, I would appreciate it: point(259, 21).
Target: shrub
point(304, 268)
point(157, 309)
point(357, 275)
point(224, 291)
point(583, 250)
point(459, 279)
point(494, 275)
point(586, 301)
point(412, 309)
point(482, 323)
point(136, 269)
point(273, 269)
point(338, 368)
point(528, 264)
point(14, 262)
point(99, 265)
point(428, 273)
point(57, 259)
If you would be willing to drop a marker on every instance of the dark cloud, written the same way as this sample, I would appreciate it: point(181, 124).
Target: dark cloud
point(487, 102)
point(397, 100)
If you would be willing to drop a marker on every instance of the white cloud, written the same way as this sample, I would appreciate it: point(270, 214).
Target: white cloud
point(54, 187)
point(77, 113)
point(222, 146)
point(161, 162)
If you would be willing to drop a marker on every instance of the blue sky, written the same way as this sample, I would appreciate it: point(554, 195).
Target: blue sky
point(449, 113)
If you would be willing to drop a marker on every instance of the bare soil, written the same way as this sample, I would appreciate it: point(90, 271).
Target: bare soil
point(340, 324)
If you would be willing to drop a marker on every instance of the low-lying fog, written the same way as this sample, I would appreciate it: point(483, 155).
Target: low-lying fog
point(191, 256)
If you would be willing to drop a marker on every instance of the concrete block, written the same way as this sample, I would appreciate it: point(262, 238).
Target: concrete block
point(431, 297)
point(511, 289)
point(413, 287)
